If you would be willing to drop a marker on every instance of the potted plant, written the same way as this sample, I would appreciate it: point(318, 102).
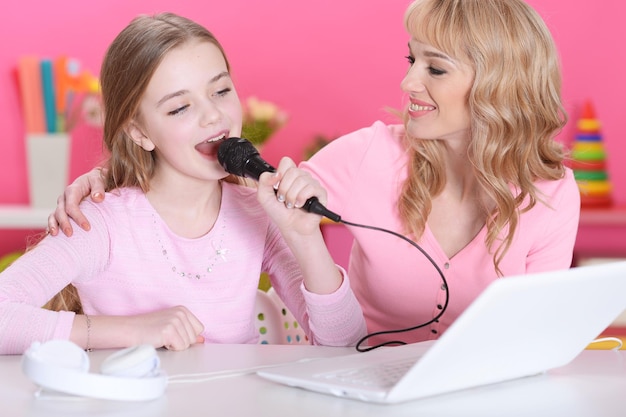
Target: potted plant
point(260, 120)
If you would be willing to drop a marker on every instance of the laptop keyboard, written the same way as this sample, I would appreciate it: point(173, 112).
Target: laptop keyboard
point(384, 375)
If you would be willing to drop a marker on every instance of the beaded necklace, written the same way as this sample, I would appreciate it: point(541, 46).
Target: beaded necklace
point(217, 253)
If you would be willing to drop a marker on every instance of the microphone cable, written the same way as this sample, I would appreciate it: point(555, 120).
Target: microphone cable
point(359, 348)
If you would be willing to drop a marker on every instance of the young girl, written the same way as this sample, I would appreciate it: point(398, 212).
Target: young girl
point(175, 253)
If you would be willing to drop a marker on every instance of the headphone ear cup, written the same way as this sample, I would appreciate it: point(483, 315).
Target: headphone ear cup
point(135, 362)
point(60, 353)
point(62, 366)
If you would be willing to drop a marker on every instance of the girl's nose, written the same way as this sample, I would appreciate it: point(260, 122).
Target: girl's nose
point(210, 113)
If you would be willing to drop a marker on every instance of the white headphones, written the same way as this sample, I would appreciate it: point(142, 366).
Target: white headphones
point(131, 374)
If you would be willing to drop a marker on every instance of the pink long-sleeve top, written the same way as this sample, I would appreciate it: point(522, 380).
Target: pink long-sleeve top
point(396, 285)
point(131, 263)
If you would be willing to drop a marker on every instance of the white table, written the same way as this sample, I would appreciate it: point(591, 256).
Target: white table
point(594, 384)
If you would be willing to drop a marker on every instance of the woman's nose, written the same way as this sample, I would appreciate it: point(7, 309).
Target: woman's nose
point(412, 81)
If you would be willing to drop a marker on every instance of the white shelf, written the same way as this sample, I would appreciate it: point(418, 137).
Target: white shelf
point(23, 217)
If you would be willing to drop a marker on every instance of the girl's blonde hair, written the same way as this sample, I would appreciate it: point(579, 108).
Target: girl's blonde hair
point(515, 108)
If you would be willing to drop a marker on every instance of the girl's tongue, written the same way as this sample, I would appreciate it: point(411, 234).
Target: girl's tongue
point(206, 148)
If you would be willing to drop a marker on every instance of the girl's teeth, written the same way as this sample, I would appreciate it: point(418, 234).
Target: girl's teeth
point(216, 139)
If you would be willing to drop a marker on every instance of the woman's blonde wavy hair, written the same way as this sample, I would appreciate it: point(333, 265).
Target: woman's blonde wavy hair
point(515, 108)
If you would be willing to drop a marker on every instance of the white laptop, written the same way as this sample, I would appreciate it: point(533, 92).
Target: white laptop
point(519, 326)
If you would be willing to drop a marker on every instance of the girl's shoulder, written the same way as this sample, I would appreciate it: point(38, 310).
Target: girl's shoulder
point(117, 204)
point(126, 196)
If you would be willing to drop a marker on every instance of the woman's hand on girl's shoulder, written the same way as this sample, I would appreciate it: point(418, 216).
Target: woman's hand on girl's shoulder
point(68, 202)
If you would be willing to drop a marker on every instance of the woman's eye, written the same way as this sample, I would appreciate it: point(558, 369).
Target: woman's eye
point(410, 59)
point(435, 71)
point(178, 110)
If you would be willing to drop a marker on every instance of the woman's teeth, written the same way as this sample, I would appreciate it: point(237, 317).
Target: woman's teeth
point(416, 107)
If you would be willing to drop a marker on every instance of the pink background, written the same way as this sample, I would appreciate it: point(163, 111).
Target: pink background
point(334, 66)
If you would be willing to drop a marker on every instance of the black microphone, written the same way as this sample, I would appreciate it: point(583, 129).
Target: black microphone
point(239, 157)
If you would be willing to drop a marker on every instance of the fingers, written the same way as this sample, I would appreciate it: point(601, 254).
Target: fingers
point(96, 185)
point(296, 186)
point(59, 219)
point(182, 330)
point(68, 207)
point(68, 203)
point(193, 328)
point(53, 225)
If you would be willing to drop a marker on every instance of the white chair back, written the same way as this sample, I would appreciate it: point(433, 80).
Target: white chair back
point(275, 323)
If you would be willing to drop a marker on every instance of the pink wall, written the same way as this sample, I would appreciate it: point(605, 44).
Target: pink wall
point(333, 65)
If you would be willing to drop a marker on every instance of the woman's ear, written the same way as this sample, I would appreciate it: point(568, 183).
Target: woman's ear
point(136, 134)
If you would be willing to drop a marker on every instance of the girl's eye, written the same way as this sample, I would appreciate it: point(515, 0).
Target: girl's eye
point(435, 71)
point(178, 110)
point(223, 92)
point(410, 59)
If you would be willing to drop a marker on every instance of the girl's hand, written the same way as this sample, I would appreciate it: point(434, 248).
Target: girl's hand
point(282, 195)
point(175, 328)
